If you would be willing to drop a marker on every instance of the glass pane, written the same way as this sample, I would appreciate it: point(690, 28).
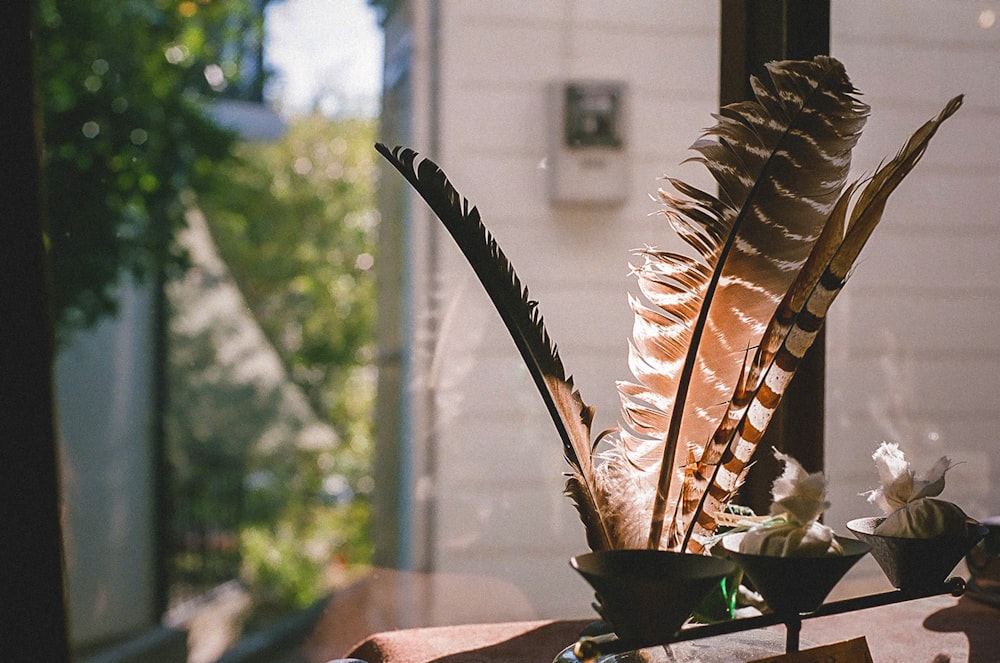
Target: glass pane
point(214, 303)
point(475, 87)
point(912, 355)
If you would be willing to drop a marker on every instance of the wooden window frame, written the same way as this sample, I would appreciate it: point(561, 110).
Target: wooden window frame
point(752, 33)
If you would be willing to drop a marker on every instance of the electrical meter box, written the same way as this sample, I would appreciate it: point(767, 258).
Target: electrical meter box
point(587, 161)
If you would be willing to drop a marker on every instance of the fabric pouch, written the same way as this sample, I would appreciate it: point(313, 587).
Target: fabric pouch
point(799, 499)
point(907, 499)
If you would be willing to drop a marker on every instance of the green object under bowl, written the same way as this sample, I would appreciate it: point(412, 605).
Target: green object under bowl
point(796, 585)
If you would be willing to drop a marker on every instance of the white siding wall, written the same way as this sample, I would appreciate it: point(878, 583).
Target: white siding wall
point(914, 356)
point(498, 461)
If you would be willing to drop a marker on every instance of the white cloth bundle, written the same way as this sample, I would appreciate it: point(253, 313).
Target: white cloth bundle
point(907, 499)
point(799, 499)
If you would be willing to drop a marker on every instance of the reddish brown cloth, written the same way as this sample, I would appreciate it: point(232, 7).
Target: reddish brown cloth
point(478, 643)
point(934, 630)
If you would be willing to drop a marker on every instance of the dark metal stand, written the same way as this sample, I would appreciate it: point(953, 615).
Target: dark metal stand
point(590, 649)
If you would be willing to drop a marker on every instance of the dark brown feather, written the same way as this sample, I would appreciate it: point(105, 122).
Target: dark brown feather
point(571, 416)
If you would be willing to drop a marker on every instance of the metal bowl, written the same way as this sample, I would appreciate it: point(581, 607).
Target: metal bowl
point(795, 585)
point(916, 563)
point(647, 595)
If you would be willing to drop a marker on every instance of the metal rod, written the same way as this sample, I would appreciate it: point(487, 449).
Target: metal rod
point(793, 628)
point(589, 649)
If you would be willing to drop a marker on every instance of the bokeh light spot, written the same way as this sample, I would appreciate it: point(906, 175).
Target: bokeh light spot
point(303, 166)
point(215, 76)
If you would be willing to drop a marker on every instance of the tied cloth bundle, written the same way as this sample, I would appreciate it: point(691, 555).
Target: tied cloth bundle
point(908, 499)
point(799, 499)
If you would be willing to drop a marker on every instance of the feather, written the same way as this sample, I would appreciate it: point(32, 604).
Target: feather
point(791, 332)
point(780, 163)
point(571, 416)
point(772, 251)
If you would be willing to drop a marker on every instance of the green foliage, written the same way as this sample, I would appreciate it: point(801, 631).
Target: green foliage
point(295, 563)
point(128, 149)
point(120, 85)
point(295, 224)
point(295, 221)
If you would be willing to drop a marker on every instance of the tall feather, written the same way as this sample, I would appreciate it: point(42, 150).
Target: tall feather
point(791, 332)
point(571, 416)
point(780, 162)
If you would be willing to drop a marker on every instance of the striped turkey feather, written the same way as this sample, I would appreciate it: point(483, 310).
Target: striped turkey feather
point(791, 332)
point(780, 162)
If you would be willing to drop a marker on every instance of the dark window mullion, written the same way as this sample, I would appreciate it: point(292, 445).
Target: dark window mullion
point(754, 32)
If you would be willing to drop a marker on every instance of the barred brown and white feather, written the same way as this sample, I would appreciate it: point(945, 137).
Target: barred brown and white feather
point(780, 162)
point(792, 331)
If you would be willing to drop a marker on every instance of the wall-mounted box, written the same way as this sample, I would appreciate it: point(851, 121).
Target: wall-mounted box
point(587, 159)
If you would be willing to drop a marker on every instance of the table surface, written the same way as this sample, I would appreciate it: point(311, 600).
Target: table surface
point(940, 629)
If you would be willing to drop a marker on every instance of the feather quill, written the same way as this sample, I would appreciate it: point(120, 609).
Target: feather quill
point(791, 332)
point(571, 416)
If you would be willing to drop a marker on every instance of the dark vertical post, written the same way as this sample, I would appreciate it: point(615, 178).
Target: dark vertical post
point(163, 502)
point(754, 32)
point(33, 616)
point(793, 629)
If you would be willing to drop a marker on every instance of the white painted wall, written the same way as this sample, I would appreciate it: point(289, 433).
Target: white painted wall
point(913, 354)
point(103, 395)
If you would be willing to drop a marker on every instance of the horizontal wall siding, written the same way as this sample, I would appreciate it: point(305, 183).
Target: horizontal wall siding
point(913, 356)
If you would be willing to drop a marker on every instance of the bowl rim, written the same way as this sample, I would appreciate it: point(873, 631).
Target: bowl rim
point(860, 548)
point(973, 529)
point(713, 566)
